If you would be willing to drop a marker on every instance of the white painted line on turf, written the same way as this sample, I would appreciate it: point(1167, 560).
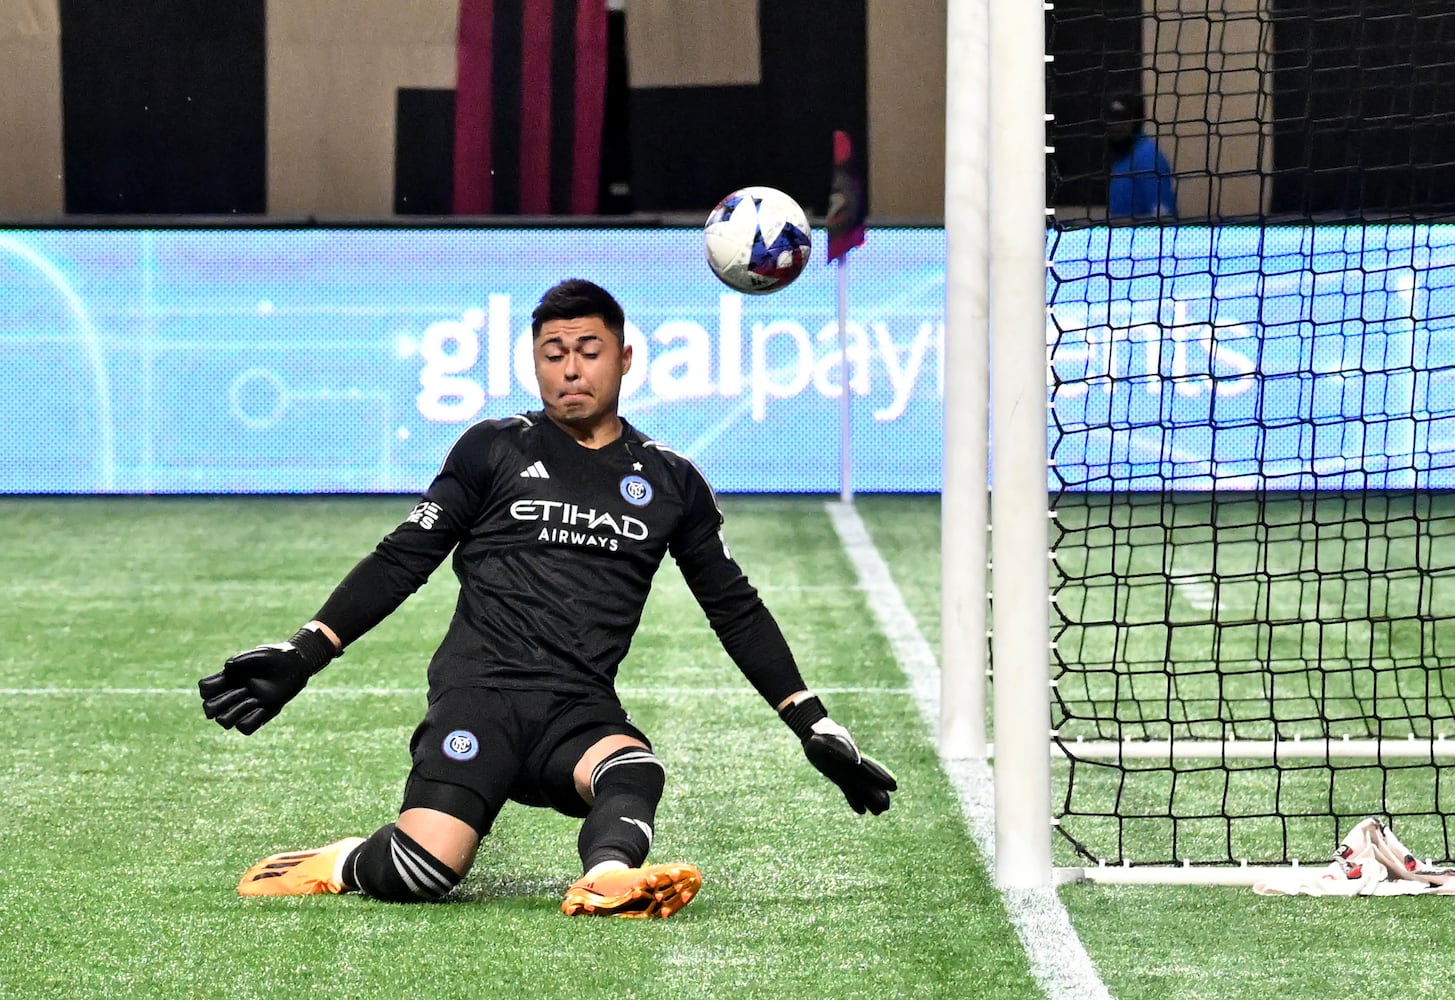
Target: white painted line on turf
point(1058, 960)
point(385, 692)
point(1198, 592)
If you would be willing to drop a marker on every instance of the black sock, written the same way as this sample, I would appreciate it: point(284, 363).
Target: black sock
point(391, 865)
point(627, 786)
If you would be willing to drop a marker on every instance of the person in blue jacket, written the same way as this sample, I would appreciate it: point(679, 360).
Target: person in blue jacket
point(1141, 185)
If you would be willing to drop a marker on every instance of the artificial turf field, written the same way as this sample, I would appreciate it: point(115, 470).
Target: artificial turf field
point(128, 818)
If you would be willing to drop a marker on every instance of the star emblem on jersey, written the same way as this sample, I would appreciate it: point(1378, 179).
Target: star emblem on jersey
point(461, 745)
point(537, 470)
point(636, 466)
point(636, 491)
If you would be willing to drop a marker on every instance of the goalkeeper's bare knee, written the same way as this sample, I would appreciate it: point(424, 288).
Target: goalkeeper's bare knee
point(392, 866)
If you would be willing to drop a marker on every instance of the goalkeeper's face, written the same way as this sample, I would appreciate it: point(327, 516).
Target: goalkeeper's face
point(579, 366)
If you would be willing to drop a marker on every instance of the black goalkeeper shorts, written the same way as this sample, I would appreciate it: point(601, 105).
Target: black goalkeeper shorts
point(478, 748)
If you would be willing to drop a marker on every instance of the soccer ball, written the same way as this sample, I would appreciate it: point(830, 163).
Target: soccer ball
point(757, 240)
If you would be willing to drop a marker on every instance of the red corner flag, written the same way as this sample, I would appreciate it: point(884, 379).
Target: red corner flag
point(847, 204)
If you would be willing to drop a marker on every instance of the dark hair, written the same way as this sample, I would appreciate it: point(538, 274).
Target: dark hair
point(576, 298)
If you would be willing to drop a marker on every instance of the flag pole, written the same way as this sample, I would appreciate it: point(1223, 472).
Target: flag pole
point(846, 401)
point(845, 225)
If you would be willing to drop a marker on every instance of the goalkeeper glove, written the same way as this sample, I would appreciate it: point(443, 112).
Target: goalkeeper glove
point(253, 686)
point(829, 747)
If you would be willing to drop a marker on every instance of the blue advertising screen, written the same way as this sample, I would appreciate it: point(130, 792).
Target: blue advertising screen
point(1253, 358)
point(180, 361)
point(349, 360)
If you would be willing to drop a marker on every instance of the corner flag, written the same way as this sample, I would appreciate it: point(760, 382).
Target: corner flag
point(845, 223)
point(847, 201)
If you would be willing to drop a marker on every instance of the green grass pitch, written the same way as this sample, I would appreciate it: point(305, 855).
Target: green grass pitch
point(1160, 942)
point(128, 818)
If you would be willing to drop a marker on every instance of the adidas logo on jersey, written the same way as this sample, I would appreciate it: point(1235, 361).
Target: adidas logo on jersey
point(537, 470)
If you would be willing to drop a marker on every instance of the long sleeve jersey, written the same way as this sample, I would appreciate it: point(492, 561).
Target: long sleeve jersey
point(555, 547)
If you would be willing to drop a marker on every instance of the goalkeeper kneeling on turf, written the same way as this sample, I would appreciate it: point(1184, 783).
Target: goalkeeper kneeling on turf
point(558, 520)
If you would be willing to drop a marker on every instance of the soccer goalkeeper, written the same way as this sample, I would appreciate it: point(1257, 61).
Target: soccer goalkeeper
point(558, 520)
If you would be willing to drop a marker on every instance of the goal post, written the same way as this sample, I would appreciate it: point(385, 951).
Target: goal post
point(995, 266)
point(1018, 503)
point(1223, 456)
point(964, 520)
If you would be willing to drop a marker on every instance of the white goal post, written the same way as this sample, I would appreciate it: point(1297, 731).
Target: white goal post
point(997, 375)
point(964, 523)
point(994, 275)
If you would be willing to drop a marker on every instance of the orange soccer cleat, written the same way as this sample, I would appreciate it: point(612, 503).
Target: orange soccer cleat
point(650, 891)
point(300, 873)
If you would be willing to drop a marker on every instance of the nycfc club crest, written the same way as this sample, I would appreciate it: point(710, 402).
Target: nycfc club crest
point(636, 491)
point(461, 745)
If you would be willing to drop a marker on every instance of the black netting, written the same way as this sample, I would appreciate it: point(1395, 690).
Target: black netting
point(1253, 425)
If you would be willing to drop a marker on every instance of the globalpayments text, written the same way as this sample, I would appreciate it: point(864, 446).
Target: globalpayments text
point(475, 357)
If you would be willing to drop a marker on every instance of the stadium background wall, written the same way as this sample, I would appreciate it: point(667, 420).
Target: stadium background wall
point(321, 84)
point(326, 90)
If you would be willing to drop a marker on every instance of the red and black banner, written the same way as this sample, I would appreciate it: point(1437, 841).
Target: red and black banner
point(530, 96)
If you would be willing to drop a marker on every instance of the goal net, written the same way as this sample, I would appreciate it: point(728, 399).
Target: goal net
point(1252, 428)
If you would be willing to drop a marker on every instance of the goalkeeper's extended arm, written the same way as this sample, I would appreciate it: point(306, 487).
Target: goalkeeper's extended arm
point(752, 638)
point(253, 686)
point(865, 782)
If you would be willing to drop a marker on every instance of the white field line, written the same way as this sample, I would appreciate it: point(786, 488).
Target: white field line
point(1198, 592)
point(1058, 961)
point(628, 693)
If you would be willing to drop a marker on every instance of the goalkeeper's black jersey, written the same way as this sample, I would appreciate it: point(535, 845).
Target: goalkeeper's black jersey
point(555, 546)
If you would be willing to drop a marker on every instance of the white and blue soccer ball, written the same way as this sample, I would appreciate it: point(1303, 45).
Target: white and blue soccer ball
point(757, 240)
